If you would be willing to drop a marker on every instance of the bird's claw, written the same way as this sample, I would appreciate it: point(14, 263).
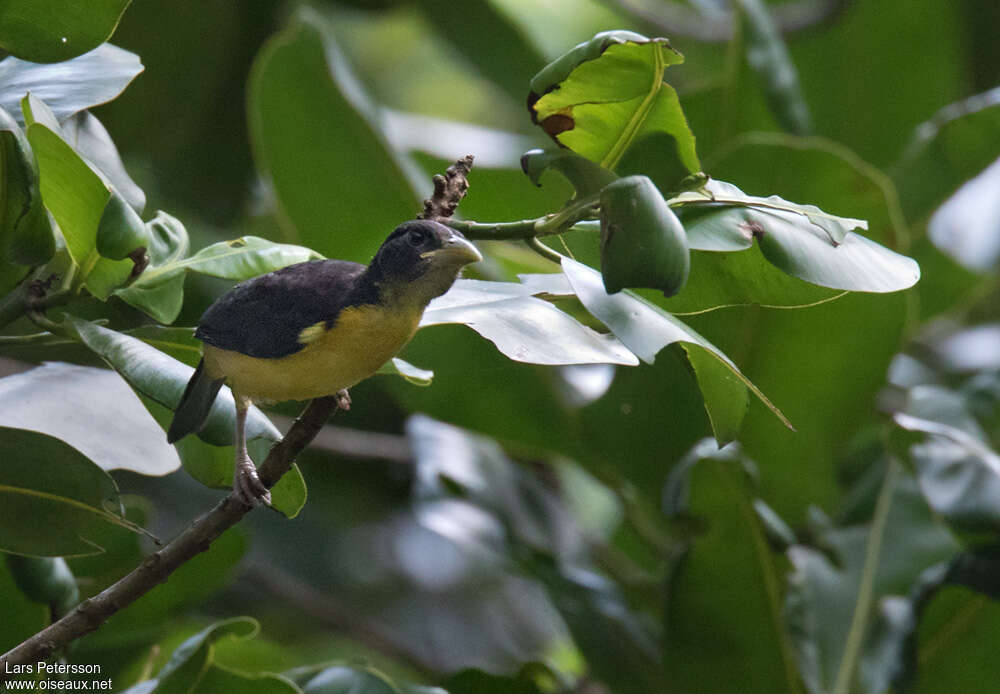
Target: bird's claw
point(248, 486)
point(343, 399)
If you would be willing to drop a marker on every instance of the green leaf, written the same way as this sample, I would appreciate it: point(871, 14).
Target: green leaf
point(646, 329)
point(642, 242)
point(832, 605)
point(157, 292)
point(768, 56)
point(179, 343)
point(92, 410)
point(47, 580)
point(76, 197)
point(161, 378)
point(49, 31)
point(728, 587)
point(607, 95)
point(26, 234)
point(484, 34)
point(71, 86)
point(239, 259)
point(194, 657)
point(959, 475)
point(413, 374)
point(88, 136)
point(725, 395)
point(964, 227)
point(46, 478)
point(21, 617)
point(801, 240)
point(958, 142)
point(304, 104)
point(524, 328)
point(530, 523)
point(586, 177)
point(344, 680)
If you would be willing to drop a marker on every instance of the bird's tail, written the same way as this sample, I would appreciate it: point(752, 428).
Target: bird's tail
point(195, 404)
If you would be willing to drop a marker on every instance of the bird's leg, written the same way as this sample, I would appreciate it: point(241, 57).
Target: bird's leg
point(246, 483)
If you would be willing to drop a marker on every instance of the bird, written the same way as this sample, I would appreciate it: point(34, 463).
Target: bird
point(314, 329)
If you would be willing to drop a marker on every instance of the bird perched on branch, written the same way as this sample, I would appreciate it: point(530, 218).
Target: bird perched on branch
point(315, 329)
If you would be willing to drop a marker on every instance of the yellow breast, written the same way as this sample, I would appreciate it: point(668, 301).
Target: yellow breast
point(362, 339)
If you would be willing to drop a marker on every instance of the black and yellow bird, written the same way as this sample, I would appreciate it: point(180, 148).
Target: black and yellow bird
point(316, 328)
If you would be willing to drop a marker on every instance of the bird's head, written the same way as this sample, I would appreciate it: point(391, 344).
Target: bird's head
point(421, 259)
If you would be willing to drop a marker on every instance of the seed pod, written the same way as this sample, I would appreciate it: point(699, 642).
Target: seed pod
point(642, 242)
point(121, 230)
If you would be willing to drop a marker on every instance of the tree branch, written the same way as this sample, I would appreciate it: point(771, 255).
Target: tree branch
point(448, 190)
point(157, 567)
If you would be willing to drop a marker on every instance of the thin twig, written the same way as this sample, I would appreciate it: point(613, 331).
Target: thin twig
point(196, 538)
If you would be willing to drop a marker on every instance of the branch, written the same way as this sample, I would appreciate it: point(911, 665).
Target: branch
point(157, 567)
point(448, 190)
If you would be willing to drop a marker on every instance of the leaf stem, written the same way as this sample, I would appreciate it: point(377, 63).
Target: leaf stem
point(866, 589)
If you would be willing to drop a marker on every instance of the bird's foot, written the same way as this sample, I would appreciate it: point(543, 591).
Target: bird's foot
point(247, 484)
point(343, 399)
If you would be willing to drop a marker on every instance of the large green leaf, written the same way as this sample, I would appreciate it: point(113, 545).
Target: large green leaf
point(160, 294)
point(71, 86)
point(768, 56)
point(646, 329)
point(959, 475)
point(26, 234)
point(45, 580)
point(534, 526)
point(42, 477)
point(607, 96)
point(523, 327)
point(304, 105)
point(161, 378)
point(88, 136)
point(21, 617)
point(93, 410)
point(801, 240)
point(339, 679)
point(725, 628)
point(76, 197)
point(192, 666)
point(484, 34)
point(964, 227)
point(49, 31)
point(832, 604)
point(958, 142)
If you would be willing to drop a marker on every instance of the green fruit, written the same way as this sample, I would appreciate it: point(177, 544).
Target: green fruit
point(642, 242)
point(121, 231)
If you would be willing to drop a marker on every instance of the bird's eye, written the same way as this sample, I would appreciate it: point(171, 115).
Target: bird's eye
point(415, 238)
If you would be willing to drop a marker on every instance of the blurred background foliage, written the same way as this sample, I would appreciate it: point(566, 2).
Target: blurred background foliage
point(539, 529)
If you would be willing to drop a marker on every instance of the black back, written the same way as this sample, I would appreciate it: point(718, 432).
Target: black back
point(264, 316)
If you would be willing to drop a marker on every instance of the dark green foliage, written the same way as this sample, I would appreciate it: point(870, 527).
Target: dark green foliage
point(586, 498)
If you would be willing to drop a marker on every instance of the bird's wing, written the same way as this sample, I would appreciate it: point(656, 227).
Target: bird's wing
point(264, 317)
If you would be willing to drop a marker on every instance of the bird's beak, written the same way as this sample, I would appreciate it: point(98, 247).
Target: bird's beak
point(456, 248)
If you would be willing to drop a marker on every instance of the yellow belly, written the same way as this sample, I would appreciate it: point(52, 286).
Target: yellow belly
point(359, 343)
